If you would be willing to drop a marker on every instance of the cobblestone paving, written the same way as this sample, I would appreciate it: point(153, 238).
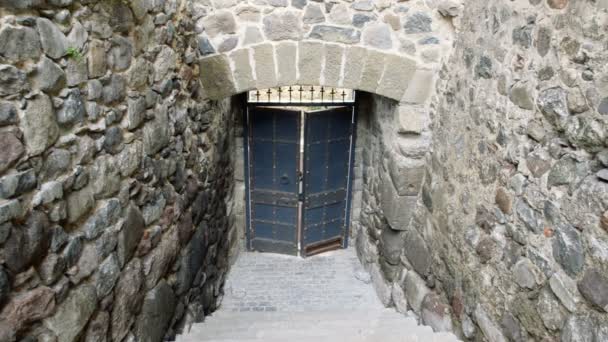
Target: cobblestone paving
point(272, 282)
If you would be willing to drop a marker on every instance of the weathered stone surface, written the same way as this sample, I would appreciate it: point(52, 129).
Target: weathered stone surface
point(156, 313)
point(79, 203)
point(49, 76)
point(488, 327)
point(73, 110)
point(165, 63)
point(415, 291)
point(335, 34)
point(12, 149)
point(594, 288)
point(353, 66)
point(568, 249)
point(418, 22)
point(97, 59)
point(286, 54)
point(54, 42)
point(51, 269)
point(530, 217)
point(221, 22)
point(310, 62)
point(436, 314)
point(28, 307)
point(87, 263)
point(526, 274)
point(578, 328)
point(397, 75)
point(504, 201)
point(550, 310)
point(557, 4)
point(19, 43)
point(28, 244)
point(8, 114)
point(73, 314)
point(97, 329)
point(128, 299)
point(313, 14)
point(38, 124)
point(332, 71)
point(522, 96)
point(283, 25)
point(12, 80)
point(372, 71)
point(398, 210)
point(108, 274)
point(130, 235)
point(553, 104)
point(121, 53)
point(107, 215)
point(378, 35)
point(565, 290)
point(161, 258)
point(399, 298)
point(263, 56)
point(216, 77)
point(391, 245)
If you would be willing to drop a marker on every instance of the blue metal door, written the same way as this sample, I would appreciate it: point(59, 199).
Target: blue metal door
point(274, 157)
point(328, 145)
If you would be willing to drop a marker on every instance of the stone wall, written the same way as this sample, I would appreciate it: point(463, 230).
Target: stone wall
point(116, 175)
point(509, 240)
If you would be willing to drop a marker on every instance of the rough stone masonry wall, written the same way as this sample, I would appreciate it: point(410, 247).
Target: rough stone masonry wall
point(516, 230)
point(115, 174)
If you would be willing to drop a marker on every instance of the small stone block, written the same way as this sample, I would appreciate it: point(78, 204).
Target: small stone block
point(373, 70)
point(243, 72)
point(353, 67)
point(420, 88)
point(310, 62)
point(286, 59)
point(264, 66)
point(411, 120)
point(398, 74)
point(333, 64)
point(216, 77)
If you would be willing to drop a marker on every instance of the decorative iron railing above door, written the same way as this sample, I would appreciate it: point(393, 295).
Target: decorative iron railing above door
point(302, 95)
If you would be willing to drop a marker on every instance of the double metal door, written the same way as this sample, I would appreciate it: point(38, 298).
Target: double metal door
point(299, 179)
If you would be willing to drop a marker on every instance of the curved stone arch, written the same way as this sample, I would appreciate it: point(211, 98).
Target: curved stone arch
point(402, 84)
point(313, 62)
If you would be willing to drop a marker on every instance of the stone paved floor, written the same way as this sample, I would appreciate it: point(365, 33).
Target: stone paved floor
point(272, 282)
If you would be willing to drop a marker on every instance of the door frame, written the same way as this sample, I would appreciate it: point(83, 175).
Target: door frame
point(247, 163)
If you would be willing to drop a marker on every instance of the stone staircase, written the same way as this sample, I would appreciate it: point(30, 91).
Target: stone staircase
point(276, 298)
point(353, 326)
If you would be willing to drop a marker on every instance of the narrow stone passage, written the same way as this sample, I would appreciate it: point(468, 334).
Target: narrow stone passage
point(271, 297)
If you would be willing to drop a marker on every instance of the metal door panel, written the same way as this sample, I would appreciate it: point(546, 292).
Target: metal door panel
point(274, 158)
point(327, 157)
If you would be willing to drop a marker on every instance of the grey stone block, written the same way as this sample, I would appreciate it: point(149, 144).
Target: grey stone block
point(353, 66)
point(243, 71)
point(216, 77)
point(265, 72)
point(286, 54)
point(398, 74)
point(373, 70)
point(310, 62)
point(333, 64)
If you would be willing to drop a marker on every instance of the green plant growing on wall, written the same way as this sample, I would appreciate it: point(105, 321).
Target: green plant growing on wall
point(74, 53)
